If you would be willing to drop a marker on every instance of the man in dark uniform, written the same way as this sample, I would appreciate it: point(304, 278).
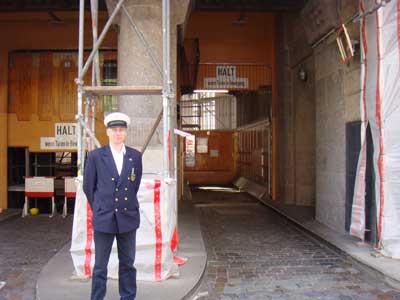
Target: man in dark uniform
point(111, 181)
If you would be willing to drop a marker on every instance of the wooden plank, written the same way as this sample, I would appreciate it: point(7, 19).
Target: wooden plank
point(24, 76)
point(45, 97)
point(123, 90)
point(67, 90)
point(13, 85)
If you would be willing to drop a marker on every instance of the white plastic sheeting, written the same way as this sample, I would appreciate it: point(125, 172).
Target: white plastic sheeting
point(155, 238)
point(380, 108)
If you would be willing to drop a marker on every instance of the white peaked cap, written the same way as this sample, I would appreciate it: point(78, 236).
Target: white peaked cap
point(117, 119)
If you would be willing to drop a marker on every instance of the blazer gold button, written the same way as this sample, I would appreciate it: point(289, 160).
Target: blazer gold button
point(116, 199)
point(113, 179)
point(116, 210)
point(126, 198)
point(126, 189)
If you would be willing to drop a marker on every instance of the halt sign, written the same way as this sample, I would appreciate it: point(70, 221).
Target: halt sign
point(226, 78)
point(64, 138)
point(65, 130)
point(226, 72)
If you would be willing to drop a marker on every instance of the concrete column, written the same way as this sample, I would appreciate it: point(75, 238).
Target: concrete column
point(3, 126)
point(135, 67)
point(296, 115)
point(330, 138)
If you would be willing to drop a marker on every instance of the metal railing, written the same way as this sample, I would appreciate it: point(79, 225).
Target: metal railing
point(215, 113)
point(254, 159)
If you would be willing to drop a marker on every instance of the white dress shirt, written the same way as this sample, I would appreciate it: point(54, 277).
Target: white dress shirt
point(118, 157)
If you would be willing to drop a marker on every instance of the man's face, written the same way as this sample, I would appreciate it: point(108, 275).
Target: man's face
point(116, 135)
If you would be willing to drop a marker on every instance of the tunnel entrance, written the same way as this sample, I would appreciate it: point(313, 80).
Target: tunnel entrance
point(295, 142)
point(248, 132)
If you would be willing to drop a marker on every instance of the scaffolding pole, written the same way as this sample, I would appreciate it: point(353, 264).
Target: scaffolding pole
point(85, 127)
point(101, 38)
point(94, 6)
point(96, 81)
point(80, 160)
point(168, 134)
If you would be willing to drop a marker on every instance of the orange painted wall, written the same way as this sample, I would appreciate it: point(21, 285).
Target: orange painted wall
point(222, 41)
point(35, 31)
point(213, 170)
point(42, 92)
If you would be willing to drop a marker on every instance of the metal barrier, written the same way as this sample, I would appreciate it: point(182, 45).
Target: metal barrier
point(69, 192)
point(44, 187)
point(39, 187)
point(212, 113)
point(254, 153)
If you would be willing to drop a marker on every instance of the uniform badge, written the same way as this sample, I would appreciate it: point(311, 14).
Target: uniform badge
point(133, 175)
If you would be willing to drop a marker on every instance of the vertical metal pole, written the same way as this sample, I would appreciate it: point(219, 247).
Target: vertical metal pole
point(85, 143)
point(168, 99)
point(27, 163)
point(101, 38)
point(80, 64)
point(165, 90)
point(169, 152)
point(96, 80)
point(93, 120)
point(171, 98)
point(94, 4)
point(85, 109)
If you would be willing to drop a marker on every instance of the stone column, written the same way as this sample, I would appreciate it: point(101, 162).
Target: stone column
point(135, 67)
point(3, 126)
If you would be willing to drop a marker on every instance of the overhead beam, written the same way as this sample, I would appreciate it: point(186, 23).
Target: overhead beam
point(257, 5)
point(122, 90)
point(45, 5)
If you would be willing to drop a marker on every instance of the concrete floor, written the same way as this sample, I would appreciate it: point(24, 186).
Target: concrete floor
point(253, 253)
point(26, 245)
point(256, 253)
point(54, 280)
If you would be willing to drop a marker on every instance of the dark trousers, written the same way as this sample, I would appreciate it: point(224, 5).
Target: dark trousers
point(126, 243)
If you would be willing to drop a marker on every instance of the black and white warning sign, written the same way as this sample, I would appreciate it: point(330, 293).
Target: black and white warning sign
point(65, 130)
point(226, 78)
point(64, 138)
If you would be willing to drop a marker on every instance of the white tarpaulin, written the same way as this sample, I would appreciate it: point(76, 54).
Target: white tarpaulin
point(155, 238)
point(380, 108)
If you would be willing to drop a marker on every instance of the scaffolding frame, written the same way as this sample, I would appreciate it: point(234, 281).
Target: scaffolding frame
point(85, 119)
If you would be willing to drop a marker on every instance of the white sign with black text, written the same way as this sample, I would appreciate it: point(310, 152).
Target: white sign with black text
point(64, 138)
point(226, 78)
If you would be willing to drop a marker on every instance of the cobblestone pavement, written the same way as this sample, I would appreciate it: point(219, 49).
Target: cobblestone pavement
point(254, 253)
point(26, 245)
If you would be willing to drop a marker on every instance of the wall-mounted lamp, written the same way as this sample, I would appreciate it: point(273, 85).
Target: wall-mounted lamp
point(302, 74)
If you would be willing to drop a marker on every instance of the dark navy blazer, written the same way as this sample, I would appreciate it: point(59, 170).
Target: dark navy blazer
point(113, 198)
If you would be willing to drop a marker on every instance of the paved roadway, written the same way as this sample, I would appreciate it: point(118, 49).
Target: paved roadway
point(26, 245)
point(254, 253)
